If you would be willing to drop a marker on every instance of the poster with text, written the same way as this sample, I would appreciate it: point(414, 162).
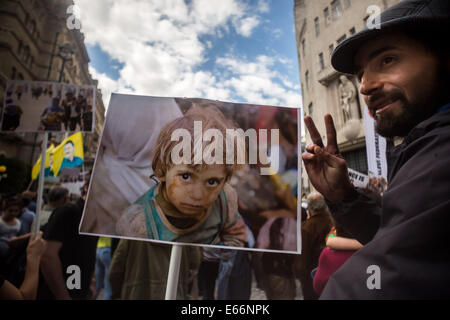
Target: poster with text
point(376, 155)
point(197, 171)
point(39, 106)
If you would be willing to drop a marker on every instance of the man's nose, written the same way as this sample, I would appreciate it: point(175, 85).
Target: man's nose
point(370, 83)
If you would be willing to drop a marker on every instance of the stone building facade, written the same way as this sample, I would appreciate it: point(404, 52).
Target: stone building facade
point(320, 25)
point(31, 35)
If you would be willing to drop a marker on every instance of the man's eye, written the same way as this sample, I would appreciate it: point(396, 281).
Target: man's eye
point(387, 60)
point(185, 176)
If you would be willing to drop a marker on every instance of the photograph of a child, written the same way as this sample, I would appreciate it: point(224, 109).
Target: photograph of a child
point(141, 190)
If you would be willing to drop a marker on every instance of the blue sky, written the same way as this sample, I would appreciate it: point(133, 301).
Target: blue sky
point(229, 50)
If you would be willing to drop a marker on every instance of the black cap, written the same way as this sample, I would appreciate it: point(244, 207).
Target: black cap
point(433, 15)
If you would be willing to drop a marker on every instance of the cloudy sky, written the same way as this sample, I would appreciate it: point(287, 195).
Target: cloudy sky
point(229, 50)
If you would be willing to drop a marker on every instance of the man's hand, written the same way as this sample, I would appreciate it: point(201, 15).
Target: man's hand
point(326, 168)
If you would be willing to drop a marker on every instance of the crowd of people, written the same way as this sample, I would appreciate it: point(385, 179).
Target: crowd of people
point(74, 112)
point(346, 231)
point(39, 266)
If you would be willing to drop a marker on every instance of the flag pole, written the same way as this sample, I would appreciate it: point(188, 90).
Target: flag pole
point(174, 272)
point(41, 184)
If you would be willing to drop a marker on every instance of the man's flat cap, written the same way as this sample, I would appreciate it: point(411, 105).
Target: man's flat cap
point(430, 15)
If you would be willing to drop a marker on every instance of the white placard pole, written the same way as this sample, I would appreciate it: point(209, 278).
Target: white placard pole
point(37, 223)
point(174, 272)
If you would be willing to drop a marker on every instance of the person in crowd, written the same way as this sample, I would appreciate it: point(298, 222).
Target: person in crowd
point(67, 103)
point(75, 113)
point(10, 225)
point(31, 196)
point(52, 116)
point(102, 264)
point(26, 216)
point(139, 270)
point(209, 270)
point(403, 69)
point(278, 279)
point(87, 118)
point(11, 115)
point(28, 288)
point(339, 248)
point(66, 247)
point(234, 279)
point(313, 231)
point(56, 197)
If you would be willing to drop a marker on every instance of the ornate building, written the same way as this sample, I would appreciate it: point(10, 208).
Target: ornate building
point(33, 37)
point(320, 25)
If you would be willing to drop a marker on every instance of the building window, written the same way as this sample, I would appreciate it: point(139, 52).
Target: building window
point(20, 48)
point(326, 15)
point(310, 110)
point(307, 80)
point(13, 73)
point(341, 39)
point(357, 160)
point(336, 9)
point(352, 31)
point(317, 25)
point(321, 61)
point(26, 54)
point(331, 49)
point(347, 4)
point(20, 77)
point(304, 47)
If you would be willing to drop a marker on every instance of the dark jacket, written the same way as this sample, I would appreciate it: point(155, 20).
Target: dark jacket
point(406, 236)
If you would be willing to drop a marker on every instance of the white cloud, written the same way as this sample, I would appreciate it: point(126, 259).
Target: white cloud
point(258, 82)
point(158, 43)
point(245, 26)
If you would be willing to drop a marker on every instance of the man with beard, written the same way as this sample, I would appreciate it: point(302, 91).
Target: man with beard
point(404, 70)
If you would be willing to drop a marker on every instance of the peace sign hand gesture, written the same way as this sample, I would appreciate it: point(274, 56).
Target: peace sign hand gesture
point(326, 168)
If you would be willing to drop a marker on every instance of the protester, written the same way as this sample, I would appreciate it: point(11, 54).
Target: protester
point(139, 270)
point(102, 264)
point(56, 197)
point(209, 270)
point(28, 289)
point(52, 116)
point(404, 69)
point(234, 280)
point(339, 248)
point(66, 247)
point(11, 115)
point(9, 223)
point(26, 216)
point(278, 279)
point(313, 232)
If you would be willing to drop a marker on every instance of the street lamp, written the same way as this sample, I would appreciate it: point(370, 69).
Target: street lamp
point(65, 53)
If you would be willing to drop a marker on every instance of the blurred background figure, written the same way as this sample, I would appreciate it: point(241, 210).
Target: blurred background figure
point(340, 246)
point(102, 264)
point(314, 231)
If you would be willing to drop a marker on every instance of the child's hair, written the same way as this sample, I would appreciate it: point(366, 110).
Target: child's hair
point(211, 118)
